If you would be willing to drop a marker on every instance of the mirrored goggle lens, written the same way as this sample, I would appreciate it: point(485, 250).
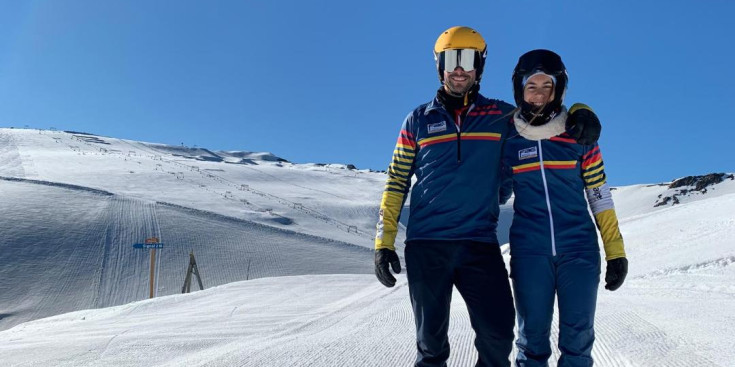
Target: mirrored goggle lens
point(451, 59)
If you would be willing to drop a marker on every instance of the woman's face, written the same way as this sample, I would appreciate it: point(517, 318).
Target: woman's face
point(539, 90)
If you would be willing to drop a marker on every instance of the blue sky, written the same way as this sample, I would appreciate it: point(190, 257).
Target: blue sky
point(331, 81)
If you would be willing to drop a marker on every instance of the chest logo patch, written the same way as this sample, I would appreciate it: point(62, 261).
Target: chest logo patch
point(527, 153)
point(437, 127)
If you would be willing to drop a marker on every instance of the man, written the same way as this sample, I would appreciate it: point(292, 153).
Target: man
point(453, 146)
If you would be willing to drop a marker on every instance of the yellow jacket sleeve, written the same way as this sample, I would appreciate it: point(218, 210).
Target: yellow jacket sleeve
point(396, 189)
point(612, 240)
point(601, 203)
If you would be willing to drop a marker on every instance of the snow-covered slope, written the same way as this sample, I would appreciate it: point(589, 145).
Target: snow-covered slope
point(259, 187)
point(74, 204)
point(70, 217)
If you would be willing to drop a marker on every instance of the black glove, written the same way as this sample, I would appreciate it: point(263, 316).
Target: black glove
point(617, 269)
point(583, 125)
point(383, 257)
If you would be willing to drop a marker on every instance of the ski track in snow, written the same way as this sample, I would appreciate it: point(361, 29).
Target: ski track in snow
point(239, 189)
point(693, 268)
point(330, 322)
point(623, 338)
point(361, 324)
point(207, 180)
point(111, 272)
point(130, 221)
point(10, 161)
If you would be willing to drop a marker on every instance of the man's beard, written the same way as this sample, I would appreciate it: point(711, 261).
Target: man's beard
point(457, 92)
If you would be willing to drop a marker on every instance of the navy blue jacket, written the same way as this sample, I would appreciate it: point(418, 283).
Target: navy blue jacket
point(457, 169)
point(554, 180)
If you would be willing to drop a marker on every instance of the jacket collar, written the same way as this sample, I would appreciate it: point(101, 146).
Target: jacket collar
point(435, 105)
point(554, 127)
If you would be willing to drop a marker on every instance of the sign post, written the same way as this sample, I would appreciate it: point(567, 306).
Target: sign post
point(152, 277)
point(152, 244)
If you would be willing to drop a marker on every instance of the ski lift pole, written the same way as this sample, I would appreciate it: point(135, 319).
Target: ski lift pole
point(193, 269)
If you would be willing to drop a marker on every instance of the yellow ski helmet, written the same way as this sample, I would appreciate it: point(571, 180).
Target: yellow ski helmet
point(460, 38)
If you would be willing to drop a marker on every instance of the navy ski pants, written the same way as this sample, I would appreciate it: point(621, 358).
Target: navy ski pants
point(536, 281)
point(478, 271)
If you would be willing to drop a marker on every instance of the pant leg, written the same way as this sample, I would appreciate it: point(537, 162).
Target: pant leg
point(578, 276)
point(534, 287)
point(482, 281)
point(429, 271)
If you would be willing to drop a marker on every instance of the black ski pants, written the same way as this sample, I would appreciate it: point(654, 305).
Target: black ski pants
point(478, 271)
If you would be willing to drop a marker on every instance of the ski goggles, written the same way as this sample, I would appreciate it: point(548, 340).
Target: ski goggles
point(537, 72)
point(465, 58)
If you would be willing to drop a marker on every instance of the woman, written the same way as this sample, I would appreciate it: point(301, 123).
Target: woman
point(553, 242)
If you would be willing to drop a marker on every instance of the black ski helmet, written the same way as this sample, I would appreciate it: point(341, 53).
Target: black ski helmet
point(547, 62)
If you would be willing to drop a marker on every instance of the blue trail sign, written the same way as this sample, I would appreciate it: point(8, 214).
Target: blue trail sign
point(148, 245)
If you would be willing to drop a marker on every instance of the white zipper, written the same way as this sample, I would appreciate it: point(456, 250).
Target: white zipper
point(458, 124)
point(548, 202)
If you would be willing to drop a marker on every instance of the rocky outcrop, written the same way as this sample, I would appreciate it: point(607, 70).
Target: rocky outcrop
point(690, 185)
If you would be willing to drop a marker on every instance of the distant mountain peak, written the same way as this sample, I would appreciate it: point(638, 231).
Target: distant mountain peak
point(690, 185)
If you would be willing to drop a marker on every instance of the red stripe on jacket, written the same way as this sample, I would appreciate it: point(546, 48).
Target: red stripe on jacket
point(563, 140)
point(426, 144)
point(528, 169)
point(594, 159)
point(483, 113)
point(494, 138)
point(591, 152)
point(404, 141)
point(560, 166)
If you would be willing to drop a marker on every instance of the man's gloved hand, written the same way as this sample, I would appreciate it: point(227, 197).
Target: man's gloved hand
point(583, 125)
point(617, 269)
point(383, 257)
